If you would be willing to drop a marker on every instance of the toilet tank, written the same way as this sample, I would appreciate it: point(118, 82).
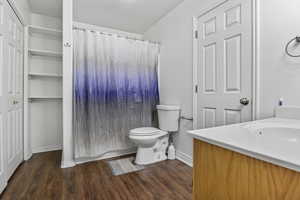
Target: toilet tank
point(168, 117)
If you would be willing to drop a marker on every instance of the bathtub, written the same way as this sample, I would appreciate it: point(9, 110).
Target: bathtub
point(274, 140)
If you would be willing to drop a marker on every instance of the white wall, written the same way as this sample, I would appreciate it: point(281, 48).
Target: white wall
point(279, 75)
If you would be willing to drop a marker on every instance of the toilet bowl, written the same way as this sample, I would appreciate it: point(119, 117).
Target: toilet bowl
point(153, 142)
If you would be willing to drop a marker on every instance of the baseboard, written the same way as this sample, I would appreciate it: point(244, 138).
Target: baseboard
point(2, 187)
point(108, 155)
point(27, 156)
point(67, 164)
point(46, 148)
point(184, 158)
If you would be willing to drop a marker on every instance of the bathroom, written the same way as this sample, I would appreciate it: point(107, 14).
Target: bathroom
point(131, 99)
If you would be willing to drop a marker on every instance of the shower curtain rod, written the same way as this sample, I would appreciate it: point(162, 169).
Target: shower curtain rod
point(110, 34)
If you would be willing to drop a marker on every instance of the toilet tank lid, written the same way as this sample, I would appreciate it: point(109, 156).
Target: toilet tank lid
point(167, 107)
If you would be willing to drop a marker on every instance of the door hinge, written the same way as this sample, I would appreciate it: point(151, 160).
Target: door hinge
point(196, 34)
point(196, 88)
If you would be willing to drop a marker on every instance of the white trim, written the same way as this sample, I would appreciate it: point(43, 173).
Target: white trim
point(3, 187)
point(48, 148)
point(27, 134)
point(67, 164)
point(27, 156)
point(67, 158)
point(109, 155)
point(255, 59)
point(195, 74)
point(184, 158)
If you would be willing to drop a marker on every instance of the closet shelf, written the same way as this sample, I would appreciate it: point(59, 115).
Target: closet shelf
point(45, 75)
point(44, 30)
point(36, 52)
point(44, 97)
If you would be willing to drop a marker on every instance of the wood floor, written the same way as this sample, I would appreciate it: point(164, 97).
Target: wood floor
point(41, 178)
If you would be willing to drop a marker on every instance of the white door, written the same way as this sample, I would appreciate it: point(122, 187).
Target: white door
point(15, 91)
point(2, 102)
point(12, 90)
point(223, 52)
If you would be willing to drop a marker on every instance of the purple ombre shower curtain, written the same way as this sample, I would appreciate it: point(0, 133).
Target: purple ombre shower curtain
point(115, 90)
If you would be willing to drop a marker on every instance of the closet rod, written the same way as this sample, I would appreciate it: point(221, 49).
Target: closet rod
point(110, 34)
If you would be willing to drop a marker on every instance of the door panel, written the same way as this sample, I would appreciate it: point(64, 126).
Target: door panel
point(233, 64)
point(224, 64)
point(209, 117)
point(10, 136)
point(209, 75)
point(232, 116)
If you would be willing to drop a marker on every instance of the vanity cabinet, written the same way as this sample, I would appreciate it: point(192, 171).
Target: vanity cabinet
point(221, 174)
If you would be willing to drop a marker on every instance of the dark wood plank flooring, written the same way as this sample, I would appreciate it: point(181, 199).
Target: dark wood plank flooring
point(41, 178)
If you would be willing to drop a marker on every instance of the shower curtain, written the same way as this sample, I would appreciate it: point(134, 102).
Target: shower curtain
point(115, 90)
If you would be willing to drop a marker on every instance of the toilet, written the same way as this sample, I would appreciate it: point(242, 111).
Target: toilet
point(153, 142)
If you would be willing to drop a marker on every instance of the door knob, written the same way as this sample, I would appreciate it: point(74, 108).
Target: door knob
point(244, 101)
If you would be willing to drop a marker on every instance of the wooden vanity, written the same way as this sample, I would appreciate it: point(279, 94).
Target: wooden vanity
point(222, 174)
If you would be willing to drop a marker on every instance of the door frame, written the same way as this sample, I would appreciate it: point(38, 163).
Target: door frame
point(67, 155)
point(255, 59)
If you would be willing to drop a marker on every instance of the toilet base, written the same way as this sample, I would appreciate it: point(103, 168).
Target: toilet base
point(156, 153)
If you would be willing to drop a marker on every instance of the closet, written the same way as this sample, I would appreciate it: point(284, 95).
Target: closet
point(11, 92)
point(43, 84)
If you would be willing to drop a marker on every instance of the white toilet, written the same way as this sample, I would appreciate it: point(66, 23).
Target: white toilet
point(152, 142)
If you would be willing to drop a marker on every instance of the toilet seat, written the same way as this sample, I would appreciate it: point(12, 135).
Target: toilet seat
point(145, 131)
